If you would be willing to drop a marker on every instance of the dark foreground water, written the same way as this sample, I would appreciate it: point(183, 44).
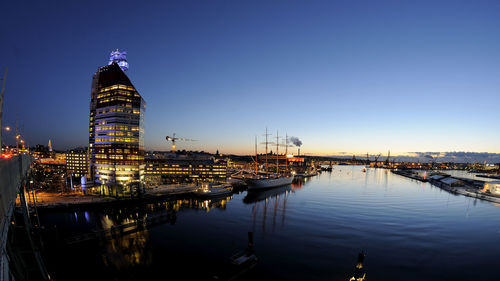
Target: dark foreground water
point(310, 231)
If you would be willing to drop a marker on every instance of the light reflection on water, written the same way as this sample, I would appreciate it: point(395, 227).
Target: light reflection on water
point(310, 230)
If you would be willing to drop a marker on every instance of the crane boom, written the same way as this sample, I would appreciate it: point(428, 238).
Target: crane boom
point(173, 139)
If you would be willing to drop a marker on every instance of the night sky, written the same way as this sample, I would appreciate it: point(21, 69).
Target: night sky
point(343, 76)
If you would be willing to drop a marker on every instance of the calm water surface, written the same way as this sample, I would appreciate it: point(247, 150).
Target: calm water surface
point(309, 231)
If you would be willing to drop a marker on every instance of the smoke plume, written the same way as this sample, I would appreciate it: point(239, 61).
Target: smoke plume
point(296, 141)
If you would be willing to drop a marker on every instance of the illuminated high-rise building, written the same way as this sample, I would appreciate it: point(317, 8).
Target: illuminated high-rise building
point(77, 162)
point(116, 131)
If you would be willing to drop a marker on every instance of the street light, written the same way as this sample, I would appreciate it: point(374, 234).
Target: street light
point(17, 142)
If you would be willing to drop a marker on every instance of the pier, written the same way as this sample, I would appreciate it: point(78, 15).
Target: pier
point(410, 175)
point(54, 201)
point(463, 186)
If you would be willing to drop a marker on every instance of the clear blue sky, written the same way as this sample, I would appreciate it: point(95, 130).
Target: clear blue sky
point(343, 76)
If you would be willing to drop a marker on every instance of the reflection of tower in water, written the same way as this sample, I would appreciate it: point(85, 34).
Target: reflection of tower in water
point(130, 247)
point(127, 251)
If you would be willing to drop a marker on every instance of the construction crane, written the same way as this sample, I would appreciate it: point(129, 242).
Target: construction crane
point(376, 160)
point(173, 139)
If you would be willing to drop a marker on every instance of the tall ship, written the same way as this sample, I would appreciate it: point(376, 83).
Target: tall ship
point(267, 180)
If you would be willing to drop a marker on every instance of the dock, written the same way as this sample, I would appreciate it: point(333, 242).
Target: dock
point(469, 191)
point(56, 201)
point(410, 175)
point(469, 187)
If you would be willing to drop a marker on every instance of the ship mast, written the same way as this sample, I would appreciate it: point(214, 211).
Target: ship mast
point(266, 149)
point(256, 165)
point(277, 159)
point(286, 152)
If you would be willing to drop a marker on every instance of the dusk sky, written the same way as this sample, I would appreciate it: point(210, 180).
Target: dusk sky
point(343, 76)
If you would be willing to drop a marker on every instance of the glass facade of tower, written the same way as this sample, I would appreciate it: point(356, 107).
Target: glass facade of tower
point(116, 133)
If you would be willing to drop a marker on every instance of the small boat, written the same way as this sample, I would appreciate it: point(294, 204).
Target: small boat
point(247, 256)
point(213, 190)
point(236, 180)
point(307, 172)
point(241, 263)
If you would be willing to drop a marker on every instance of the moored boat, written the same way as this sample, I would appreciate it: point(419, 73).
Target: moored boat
point(236, 180)
point(265, 179)
point(211, 190)
point(268, 182)
point(247, 256)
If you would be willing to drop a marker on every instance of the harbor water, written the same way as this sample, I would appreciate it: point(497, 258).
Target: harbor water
point(312, 230)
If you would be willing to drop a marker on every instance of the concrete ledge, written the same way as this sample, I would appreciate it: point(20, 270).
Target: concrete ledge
point(12, 172)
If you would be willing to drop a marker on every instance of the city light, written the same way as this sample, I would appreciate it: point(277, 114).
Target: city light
point(387, 113)
point(6, 155)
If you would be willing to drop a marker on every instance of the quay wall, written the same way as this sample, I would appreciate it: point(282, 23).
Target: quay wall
point(471, 189)
point(12, 173)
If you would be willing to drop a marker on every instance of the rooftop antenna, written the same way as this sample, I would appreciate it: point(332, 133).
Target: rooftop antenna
point(119, 58)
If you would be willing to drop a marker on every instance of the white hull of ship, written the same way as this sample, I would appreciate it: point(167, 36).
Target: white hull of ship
point(264, 183)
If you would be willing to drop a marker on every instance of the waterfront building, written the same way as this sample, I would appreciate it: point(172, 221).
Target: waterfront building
point(453, 182)
point(164, 171)
point(116, 131)
point(77, 162)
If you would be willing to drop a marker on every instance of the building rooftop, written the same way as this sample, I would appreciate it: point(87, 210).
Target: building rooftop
point(112, 74)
